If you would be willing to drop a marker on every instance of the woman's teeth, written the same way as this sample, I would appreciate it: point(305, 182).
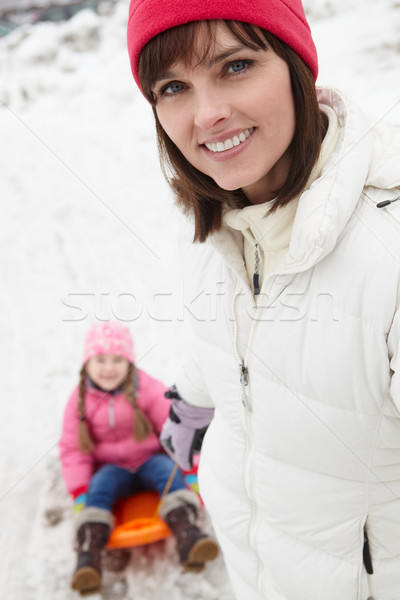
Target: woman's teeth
point(230, 142)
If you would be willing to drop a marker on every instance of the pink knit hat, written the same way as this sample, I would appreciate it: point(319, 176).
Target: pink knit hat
point(108, 338)
point(283, 18)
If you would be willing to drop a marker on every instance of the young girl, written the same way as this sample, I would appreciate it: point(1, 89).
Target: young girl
point(110, 449)
point(291, 193)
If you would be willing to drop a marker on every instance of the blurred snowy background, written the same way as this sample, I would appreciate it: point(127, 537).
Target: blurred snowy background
point(89, 231)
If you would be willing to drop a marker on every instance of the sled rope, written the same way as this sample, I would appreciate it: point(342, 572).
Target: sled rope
point(165, 490)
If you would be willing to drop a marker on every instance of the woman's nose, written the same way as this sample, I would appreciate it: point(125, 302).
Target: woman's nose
point(211, 108)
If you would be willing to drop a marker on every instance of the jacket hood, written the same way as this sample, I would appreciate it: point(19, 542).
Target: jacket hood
point(327, 206)
point(384, 169)
point(364, 155)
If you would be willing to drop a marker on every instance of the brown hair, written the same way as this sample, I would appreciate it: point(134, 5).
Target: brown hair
point(197, 193)
point(141, 424)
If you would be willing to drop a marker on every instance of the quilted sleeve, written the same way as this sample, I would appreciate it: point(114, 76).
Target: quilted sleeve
point(191, 384)
point(77, 467)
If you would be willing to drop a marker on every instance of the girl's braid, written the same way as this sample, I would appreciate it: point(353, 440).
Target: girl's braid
point(85, 442)
point(142, 427)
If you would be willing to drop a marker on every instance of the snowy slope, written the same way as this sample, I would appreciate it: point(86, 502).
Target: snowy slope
point(90, 232)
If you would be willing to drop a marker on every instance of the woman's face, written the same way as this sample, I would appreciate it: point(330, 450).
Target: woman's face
point(233, 116)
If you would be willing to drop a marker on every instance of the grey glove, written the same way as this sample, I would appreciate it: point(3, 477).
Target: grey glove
point(183, 432)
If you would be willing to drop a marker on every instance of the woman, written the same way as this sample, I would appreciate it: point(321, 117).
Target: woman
point(300, 467)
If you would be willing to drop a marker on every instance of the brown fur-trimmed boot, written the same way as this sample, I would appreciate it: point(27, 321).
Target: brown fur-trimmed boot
point(180, 511)
point(93, 530)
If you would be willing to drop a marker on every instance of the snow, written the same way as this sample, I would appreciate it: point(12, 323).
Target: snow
point(90, 232)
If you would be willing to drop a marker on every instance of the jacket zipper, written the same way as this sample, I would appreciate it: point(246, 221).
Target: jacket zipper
point(256, 275)
point(242, 360)
point(257, 261)
point(249, 446)
point(246, 402)
point(244, 382)
point(111, 412)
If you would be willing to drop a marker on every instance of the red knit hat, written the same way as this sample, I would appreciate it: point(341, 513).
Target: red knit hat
point(283, 18)
point(108, 338)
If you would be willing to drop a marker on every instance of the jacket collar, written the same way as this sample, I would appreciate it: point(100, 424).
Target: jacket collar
point(92, 386)
point(325, 208)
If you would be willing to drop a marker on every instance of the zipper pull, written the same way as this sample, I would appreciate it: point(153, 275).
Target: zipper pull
point(367, 555)
point(256, 276)
point(244, 382)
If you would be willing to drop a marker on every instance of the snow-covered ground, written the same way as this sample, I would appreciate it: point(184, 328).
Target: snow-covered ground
point(89, 231)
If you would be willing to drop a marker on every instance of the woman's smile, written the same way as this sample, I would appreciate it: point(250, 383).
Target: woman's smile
point(230, 147)
point(232, 117)
point(230, 142)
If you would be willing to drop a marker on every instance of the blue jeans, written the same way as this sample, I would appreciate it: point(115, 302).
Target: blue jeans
point(111, 482)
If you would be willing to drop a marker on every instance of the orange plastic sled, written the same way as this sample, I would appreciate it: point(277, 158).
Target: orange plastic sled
point(136, 523)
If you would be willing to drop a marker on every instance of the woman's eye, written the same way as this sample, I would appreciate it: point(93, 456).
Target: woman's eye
point(171, 89)
point(238, 66)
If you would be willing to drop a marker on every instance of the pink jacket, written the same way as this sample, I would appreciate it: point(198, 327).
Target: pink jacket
point(110, 422)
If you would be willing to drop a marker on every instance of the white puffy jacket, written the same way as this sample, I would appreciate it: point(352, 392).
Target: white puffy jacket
point(304, 451)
